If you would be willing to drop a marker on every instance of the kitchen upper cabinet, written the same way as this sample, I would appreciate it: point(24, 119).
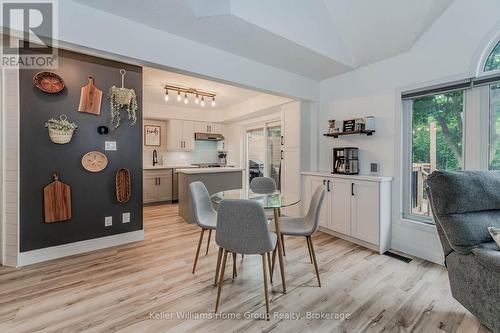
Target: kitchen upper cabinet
point(180, 135)
point(204, 127)
point(340, 206)
point(355, 209)
point(290, 125)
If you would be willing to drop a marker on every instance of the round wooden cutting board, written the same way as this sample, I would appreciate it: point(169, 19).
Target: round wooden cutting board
point(94, 161)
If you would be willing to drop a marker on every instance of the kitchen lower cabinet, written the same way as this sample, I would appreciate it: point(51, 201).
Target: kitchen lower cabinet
point(157, 185)
point(355, 208)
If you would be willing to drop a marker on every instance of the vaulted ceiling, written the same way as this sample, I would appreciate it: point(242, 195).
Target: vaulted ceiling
point(317, 39)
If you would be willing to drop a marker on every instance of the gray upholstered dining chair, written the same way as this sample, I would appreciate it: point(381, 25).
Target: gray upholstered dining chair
point(264, 185)
point(204, 214)
point(242, 228)
point(304, 227)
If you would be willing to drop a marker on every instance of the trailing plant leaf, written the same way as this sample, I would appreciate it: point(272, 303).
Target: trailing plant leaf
point(120, 98)
point(61, 124)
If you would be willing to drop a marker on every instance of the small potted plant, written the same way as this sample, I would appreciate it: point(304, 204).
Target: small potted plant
point(60, 130)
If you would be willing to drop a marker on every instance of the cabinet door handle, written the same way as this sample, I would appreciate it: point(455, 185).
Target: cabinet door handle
point(159, 181)
point(324, 181)
point(282, 154)
point(282, 140)
point(328, 185)
point(210, 128)
point(352, 189)
point(156, 181)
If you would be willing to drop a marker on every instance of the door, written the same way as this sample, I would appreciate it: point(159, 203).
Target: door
point(149, 189)
point(188, 135)
point(273, 152)
point(290, 115)
point(324, 212)
point(174, 135)
point(255, 153)
point(164, 188)
point(340, 206)
point(365, 211)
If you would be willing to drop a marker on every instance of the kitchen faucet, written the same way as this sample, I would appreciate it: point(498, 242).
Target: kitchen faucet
point(155, 157)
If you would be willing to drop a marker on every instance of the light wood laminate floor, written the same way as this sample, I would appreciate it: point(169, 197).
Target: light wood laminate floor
point(119, 289)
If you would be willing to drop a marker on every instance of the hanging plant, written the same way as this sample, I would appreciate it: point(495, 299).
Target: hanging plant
point(120, 98)
point(60, 130)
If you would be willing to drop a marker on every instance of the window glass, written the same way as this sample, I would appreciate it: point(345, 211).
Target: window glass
point(436, 142)
point(273, 152)
point(493, 61)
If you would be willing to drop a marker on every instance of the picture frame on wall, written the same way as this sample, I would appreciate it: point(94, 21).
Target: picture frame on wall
point(152, 135)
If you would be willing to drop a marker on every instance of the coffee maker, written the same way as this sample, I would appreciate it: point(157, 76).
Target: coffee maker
point(345, 161)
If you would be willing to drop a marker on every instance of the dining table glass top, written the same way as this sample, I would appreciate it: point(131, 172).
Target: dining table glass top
point(276, 199)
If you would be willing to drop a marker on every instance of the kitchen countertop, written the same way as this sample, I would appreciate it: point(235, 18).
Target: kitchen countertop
point(355, 177)
point(208, 170)
point(168, 166)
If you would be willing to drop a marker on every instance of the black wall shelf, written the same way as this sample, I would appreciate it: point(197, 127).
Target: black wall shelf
point(336, 135)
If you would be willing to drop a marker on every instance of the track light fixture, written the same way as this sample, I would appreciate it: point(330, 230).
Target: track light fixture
point(197, 93)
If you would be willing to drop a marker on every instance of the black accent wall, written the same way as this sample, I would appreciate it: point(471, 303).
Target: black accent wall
point(93, 194)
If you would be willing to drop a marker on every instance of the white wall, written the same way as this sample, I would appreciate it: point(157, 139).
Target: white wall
point(448, 51)
point(170, 111)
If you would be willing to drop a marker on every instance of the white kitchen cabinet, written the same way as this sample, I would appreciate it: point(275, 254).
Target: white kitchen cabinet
point(180, 135)
point(290, 125)
point(157, 185)
point(290, 155)
point(340, 206)
point(205, 127)
point(357, 208)
point(221, 145)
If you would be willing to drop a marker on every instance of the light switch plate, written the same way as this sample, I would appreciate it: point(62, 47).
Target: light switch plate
point(108, 221)
point(125, 217)
point(110, 145)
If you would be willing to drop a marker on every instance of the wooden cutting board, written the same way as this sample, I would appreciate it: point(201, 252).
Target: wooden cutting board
point(90, 98)
point(57, 201)
point(123, 183)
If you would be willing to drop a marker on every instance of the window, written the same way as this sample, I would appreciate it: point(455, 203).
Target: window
point(494, 127)
point(436, 143)
point(493, 61)
point(273, 153)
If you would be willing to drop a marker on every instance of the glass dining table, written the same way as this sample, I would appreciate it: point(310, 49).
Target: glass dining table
point(275, 201)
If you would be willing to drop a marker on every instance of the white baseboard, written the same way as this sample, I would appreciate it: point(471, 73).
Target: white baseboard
point(54, 252)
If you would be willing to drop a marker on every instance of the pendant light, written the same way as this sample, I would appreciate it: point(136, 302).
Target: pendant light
point(202, 101)
point(213, 101)
point(196, 101)
point(179, 95)
point(166, 95)
point(186, 98)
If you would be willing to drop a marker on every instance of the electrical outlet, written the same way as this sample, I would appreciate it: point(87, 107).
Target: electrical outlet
point(108, 221)
point(125, 217)
point(110, 145)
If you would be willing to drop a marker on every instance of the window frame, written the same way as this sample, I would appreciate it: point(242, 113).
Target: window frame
point(407, 153)
point(486, 55)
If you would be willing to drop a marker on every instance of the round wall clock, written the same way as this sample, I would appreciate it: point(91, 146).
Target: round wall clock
point(94, 161)
point(48, 82)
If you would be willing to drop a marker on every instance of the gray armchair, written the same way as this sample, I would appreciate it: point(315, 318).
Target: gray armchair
point(464, 205)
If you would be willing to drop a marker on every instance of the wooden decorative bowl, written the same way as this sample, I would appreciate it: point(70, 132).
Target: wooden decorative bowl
point(48, 82)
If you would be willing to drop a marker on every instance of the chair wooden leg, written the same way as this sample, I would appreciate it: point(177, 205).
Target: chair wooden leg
point(235, 273)
point(221, 279)
point(274, 260)
point(198, 249)
point(269, 264)
point(217, 268)
point(309, 249)
point(264, 271)
point(283, 242)
point(208, 243)
point(314, 259)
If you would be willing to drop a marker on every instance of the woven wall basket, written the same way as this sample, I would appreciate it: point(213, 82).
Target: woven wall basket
point(60, 137)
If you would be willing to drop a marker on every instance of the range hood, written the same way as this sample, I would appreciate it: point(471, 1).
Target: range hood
point(208, 137)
